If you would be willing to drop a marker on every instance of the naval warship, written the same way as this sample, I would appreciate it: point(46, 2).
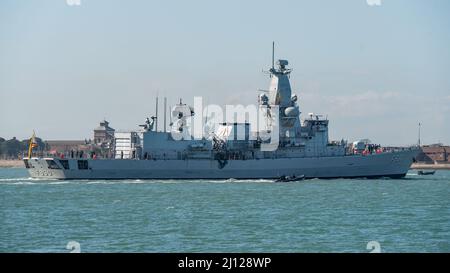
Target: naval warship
point(285, 146)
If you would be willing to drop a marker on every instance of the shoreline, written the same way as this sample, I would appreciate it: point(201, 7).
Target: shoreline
point(444, 166)
point(11, 163)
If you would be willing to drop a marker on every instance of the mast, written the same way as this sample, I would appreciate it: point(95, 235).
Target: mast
point(273, 55)
point(156, 115)
point(170, 118)
point(165, 113)
point(419, 133)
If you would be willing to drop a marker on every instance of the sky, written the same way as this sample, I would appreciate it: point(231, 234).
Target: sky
point(374, 68)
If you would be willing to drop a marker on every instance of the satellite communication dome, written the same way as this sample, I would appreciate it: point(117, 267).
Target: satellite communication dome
point(291, 112)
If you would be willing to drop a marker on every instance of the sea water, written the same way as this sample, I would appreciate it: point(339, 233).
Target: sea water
point(340, 215)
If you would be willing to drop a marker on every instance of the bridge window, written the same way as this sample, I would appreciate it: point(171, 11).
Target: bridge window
point(52, 164)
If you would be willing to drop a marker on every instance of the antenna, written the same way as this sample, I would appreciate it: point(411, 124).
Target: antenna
point(165, 112)
point(206, 123)
point(156, 122)
point(419, 132)
point(273, 55)
point(170, 118)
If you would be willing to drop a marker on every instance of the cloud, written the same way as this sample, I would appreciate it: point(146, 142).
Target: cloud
point(73, 2)
point(362, 104)
point(388, 117)
point(373, 2)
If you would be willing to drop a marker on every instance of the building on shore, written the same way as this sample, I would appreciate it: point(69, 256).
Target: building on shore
point(63, 146)
point(436, 153)
point(104, 135)
point(100, 146)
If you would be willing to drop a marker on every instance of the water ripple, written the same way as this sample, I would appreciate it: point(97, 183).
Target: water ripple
point(342, 215)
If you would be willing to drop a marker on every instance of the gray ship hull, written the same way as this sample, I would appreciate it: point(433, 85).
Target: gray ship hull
point(391, 164)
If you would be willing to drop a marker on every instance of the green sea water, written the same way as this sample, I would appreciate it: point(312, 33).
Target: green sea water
point(342, 215)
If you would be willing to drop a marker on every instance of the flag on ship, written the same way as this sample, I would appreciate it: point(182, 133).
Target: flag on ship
point(33, 144)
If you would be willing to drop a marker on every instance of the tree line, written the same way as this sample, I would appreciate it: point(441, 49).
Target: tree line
point(14, 148)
